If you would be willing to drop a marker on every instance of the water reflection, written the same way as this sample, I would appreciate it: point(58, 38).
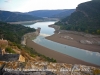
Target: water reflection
point(97, 54)
point(38, 40)
point(44, 35)
point(89, 52)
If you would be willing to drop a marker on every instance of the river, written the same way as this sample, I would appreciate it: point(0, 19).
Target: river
point(85, 55)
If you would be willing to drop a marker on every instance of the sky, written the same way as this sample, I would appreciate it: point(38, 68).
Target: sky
point(31, 5)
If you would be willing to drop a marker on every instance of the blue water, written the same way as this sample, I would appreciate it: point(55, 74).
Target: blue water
point(85, 55)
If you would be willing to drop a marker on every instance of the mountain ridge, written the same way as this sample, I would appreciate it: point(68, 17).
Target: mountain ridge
point(63, 14)
point(8, 16)
point(47, 13)
point(86, 18)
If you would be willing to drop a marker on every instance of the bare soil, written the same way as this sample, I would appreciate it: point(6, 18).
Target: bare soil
point(61, 58)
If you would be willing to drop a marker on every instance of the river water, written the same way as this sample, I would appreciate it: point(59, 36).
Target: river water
point(85, 55)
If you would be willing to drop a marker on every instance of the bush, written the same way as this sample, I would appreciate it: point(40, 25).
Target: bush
point(9, 50)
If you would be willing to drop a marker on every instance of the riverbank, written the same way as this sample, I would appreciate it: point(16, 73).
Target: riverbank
point(76, 39)
point(31, 35)
point(61, 58)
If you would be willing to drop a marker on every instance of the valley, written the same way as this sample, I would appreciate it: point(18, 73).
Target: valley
point(49, 41)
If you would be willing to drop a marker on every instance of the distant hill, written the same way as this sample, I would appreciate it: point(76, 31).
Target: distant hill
point(48, 13)
point(63, 14)
point(86, 18)
point(8, 16)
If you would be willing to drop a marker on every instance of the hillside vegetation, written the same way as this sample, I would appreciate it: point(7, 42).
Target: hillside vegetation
point(14, 32)
point(28, 53)
point(86, 18)
point(7, 16)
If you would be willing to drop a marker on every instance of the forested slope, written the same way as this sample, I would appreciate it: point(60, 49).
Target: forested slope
point(14, 32)
point(86, 18)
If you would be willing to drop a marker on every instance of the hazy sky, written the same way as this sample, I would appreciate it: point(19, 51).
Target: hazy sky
point(30, 5)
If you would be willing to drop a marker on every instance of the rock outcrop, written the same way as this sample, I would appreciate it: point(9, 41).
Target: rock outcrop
point(3, 45)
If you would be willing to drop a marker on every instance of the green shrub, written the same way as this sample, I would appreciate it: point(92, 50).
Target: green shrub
point(9, 50)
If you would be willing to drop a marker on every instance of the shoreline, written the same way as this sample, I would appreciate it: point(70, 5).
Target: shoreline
point(78, 40)
point(56, 38)
point(30, 35)
point(60, 58)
